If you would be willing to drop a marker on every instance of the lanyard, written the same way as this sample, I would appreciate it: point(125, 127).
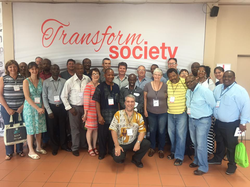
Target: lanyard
point(156, 92)
point(129, 121)
point(175, 87)
point(223, 92)
point(57, 85)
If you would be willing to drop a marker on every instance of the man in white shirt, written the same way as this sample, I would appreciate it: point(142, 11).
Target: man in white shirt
point(72, 98)
point(121, 79)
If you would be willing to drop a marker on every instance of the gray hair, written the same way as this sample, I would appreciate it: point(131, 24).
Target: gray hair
point(158, 70)
point(141, 66)
point(131, 96)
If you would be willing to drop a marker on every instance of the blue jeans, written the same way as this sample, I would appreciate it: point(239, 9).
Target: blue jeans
point(6, 118)
point(177, 130)
point(199, 129)
point(157, 122)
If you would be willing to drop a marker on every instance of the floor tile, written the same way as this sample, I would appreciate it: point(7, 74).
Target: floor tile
point(127, 168)
point(9, 184)
point(39, 176)
point(87, 166)
point(67, 166)
point(47, 166)
point(4, 173)
point(214, 181)
point(194, 180)
point(32, 184)
point(171, 180)
point(61, 176)
point(84, 177)
point(127, 179)
point(107, 167)
point(79, 185)
point(16, 175)
point(149, 179)
point(123, 185)
point(51, 184)
point(236, 181)
point(104, 178)
point(103, 185)
point(27, 166)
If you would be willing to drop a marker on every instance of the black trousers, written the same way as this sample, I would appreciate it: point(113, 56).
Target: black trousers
point(144, 147)
point(224, 136)
point(105, 137)
point(57, 127)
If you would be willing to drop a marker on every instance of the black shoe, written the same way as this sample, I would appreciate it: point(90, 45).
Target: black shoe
point(138, 164)
point(193, 165)
point(171, 156)
point(66, 149)
point(54, 152)
point(121, 162)
point(178, 162)
point(231, 169)
point(75, 153)
point(198, 172)
point(213, 161)
point(101, 157)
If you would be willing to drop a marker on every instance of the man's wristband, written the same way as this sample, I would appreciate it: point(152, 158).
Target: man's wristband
point(138, 141)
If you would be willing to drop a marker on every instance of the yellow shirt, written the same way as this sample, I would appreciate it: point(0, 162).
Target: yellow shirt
point(177, 97)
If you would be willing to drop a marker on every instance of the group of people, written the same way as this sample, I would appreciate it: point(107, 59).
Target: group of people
point(119, 110)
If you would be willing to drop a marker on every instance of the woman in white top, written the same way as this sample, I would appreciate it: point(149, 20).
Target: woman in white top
point(204, 77)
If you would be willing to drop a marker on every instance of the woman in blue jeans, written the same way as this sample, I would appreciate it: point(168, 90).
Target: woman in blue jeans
point(11, 99)
point(155, 108)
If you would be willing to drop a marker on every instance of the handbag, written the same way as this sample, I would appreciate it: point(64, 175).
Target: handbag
point(241, 157)
point(15, 133)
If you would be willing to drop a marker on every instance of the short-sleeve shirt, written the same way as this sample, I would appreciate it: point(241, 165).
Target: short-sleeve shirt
point(102, 95)
point(122, 124)
point(159, 95)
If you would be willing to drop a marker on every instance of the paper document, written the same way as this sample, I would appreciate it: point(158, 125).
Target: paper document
point(238, 132)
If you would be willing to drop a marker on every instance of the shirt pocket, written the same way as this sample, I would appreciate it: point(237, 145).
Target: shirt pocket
point(228, 101)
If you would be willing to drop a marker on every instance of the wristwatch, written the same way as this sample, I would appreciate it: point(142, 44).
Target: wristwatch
point(138, 141)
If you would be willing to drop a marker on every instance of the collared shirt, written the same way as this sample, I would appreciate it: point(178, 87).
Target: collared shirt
point(137, 92)
point(87, 74)
point(119, 82)
point(127, 128)
point(51, 92)
point(44, 76)
point(234, 104)
point(102, 95)
point(209, 83)
point(143, 82)
point(162, 79)
point(102, 77)
point(177, 97)
point(200, 101)
point(65, 75)
point(72, 93)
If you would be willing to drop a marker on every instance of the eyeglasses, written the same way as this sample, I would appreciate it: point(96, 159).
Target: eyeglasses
point(140, 70)
point(201, 71)
point(95, 74)
point(172, 63)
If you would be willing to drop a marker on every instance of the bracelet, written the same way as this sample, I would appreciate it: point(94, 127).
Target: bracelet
point(138, 141)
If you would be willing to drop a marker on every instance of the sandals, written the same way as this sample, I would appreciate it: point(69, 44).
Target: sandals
point(8, 157)
point(91, 152)
point(171, 156)
point(34, 156)
point(21, 154)
point(96, 151)
point(42, 151)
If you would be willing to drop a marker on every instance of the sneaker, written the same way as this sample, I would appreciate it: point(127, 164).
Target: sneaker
point(231, 169)
point(214, 161)
point(178, 162)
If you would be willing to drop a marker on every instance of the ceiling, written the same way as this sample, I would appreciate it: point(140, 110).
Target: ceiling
point(220, 2)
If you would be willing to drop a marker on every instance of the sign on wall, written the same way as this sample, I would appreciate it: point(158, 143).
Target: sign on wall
point(139, 34)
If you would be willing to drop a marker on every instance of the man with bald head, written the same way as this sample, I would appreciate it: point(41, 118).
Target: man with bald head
point(194, 68)
point(232, 110)
point(72, 98)
point(200, 103)
point(132, 89)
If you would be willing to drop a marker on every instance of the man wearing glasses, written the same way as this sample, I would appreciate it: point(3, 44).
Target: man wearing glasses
point(172, 63)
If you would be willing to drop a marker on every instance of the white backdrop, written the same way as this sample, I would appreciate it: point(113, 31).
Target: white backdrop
point(54, 31)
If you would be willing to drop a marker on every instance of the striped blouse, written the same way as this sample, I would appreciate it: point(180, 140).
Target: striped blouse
point(14, 99)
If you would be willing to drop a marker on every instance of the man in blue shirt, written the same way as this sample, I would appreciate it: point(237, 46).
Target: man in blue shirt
point(142, 80)
point(232, 110)
point(200, 103)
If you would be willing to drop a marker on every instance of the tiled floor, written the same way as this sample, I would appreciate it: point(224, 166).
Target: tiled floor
point(85, 171)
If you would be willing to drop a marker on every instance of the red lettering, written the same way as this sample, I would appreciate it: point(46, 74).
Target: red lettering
point(112, 35)
point(151, 52)
point(104, 36)
point(76, 35)
point(134, 52)
point(172, 55)
point(112, 50)
point(134, 36)
point(122, 52)
point(163, 48)
point(145, 50)
point(83, 38)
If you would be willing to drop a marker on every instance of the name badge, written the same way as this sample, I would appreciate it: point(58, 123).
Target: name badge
point(188, 111)
point(37, 100)
point(217, 104)
point(172, 99)
point(155, 102)
point(56, 98)
point(80, 95)
point(136, 94)
point(129, 132)
point(110, 101)
point(16, 88)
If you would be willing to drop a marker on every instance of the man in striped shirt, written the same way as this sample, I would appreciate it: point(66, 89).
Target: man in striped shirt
point(177, 116)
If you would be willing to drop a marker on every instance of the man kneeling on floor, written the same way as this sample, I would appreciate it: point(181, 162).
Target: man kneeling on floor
point(125, 127)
